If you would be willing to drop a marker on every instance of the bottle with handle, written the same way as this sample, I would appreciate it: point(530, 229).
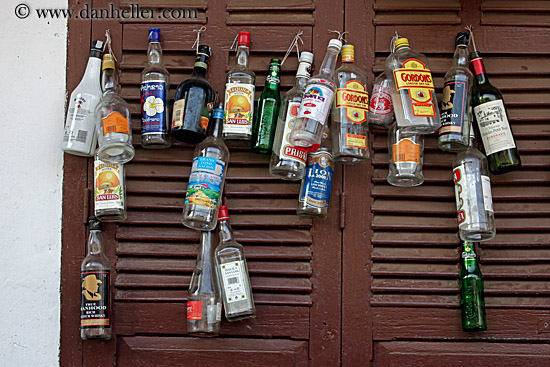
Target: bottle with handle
point(472, 300)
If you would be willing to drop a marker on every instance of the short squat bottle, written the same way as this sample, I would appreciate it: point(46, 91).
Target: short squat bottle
point(109, 191)
point(204, 308)
point(406, 155)
point(232, 273)
point(472, 300)
point(381, 106)
point(207, 178)
point(95, 279)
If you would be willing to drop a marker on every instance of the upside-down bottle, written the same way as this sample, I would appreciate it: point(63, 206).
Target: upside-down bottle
point(406, 155)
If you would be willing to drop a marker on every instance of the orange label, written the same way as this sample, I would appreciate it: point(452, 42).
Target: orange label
point(356, 141)
point(406, 151)
point(194, 310)
point(115, 123)
point(355, 99)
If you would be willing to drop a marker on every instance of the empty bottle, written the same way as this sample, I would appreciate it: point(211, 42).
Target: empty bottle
point(109, 191)
point(381, 106)
point(406, 155)
point(472, 300)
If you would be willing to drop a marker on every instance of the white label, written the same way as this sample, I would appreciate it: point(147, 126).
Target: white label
point(108, 185)
point(469, 193)
point(487, 195)
point(239, 108)
point(494, 127)
point(286, 149)
point(233, 281)
point(214, 313)
point(80, 124)
point(316, 103)
point(177, 115)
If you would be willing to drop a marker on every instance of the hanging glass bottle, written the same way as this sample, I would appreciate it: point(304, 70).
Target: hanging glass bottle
point(381, 106)
point(406, 154)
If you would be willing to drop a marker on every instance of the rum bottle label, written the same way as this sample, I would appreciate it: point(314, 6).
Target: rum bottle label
point(153, 107)
point(355, 100)
point(108, 185)
point(287, 150)
point(453, 107)
point(239, 108)
point(318, 180)
point(415, 78)
point(233, 281)
point(316, 103)
point(95, 302)
point(494, 127)
point(205, 182)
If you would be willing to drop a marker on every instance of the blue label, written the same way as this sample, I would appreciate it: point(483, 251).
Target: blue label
point(218, 113)
point(153, 107)
point(318, 180)
point(205, 182)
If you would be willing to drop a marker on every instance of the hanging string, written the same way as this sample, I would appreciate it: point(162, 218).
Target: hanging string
point(108, 43)
point(292, 44)
point(470, 29)
point(234, 44)
point(340, 34)
point(392, 42)
point(197, 41)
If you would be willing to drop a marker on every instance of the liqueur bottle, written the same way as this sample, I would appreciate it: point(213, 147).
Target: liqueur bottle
point(457, 97)
point(207, 177)
point(95, 278)
point(406, 156)
point(474, 202)
point(204, 310)
point(412, 90)
point(316, 186)
point(287, 161)
point(193, 102)
point(232, 273)
point(80, 136)
point(265, 122)
point(112, 117)
point(492, 121)
point(239, 96)
point(472, 301)
point(349, 113)
point(155, 94)
point(109, 191)
point(381, 106)
point(320, 89)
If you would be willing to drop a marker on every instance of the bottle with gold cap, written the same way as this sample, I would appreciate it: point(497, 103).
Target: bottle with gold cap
point(412, 90)
point(349, 112)
point(112, 115)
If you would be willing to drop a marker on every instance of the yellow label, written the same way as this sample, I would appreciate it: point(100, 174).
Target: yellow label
point(356, 141)
point(423, 109)
point(406, 151)
point(355, 99)
point(416, 78)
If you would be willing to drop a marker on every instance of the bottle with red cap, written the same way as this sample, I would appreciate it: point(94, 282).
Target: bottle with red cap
point(232, 273)
point(239, 96)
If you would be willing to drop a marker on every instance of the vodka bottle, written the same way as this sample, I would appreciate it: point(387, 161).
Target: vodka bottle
point(381, 106)
point(109, 191)
point(80, 136)
point(472, 300)
point(406, 154)
point(287, 161)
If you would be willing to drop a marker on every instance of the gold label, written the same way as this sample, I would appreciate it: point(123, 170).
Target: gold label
point(356, 141)
point(406, 151)
point(415, 77)
point(355, 99)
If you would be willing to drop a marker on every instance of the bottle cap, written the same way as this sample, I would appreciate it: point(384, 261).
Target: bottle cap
point(306, 56)
point(275, 61)
point(335, 43)
point(462, 38)
point(401, 42)
point(223, 215)
point(154, 34)
point(94, 223)
point(108, 62)
point(348, 53)
point(205, 50)
point(97, 45)
point(244, 38)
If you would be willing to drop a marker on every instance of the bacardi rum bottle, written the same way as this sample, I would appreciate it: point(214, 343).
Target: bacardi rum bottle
point(381, 106)
point(472, 300)
point(109, 191)
point(406, 155)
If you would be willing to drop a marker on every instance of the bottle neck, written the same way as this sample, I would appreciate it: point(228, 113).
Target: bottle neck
point(205, 255)
point(216, 124)
point(461, 56)
point(479, 70)
point(201, 65)
point(226, 234)
point(469, 257)
point(302, 75)
point(93, 68)
point(329, 62)
point(95, 243)
point(154, 54)
point(109, 82)
point(242, 56)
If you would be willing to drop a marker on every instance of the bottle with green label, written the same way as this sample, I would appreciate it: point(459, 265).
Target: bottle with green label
point(472, 300)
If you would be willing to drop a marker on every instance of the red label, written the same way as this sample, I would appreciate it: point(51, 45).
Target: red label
point(194, 310)
point(461, 216)
point(381, 103)
point(456, 175)
point(295, 152)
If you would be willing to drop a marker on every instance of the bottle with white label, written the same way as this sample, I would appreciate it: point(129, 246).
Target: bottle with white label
point(80, 136)
point(288, 161)
point(232, 273)
point(406, 156)
point(207, 177)
point(204, 308)
point(474, 202)
point(109, 191)
point(316, 102)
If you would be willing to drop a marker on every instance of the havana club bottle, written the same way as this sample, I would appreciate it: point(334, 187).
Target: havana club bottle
point(472, 300)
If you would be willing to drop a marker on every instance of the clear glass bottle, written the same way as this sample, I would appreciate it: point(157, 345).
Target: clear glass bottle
point(109, 191)
point(239, 96)
point(472, 299)
point(80, 135)
point(454, 133)
point(474, 201)
point(95, 278)
point(155, 95)
point(412, 90)
point(406, 156)
point(204, 308)
point(381, 106)
point(287, 161)
point(193, 102)
point(207, 177)
point(112, 116)
point(316, 102)
point(349, 114)
point(232, 273)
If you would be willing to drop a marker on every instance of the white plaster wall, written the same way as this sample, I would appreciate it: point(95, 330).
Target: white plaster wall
point(32, 65)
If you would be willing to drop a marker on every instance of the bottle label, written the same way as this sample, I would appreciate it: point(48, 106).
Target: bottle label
point(416, 78)
point(108, 185)
point(95, 304)
point(177, 114)
point(470, 195)
point(239, 108)
point(356, 141)
point(316, 102)
point(287, 150)
point(381, 103)
point(80, 125)
point(318, 180)
point(487, 194)
point(355, 99)
point(494, 127)
point(205, 182)
point(233, 281)
point(468, 254)
point(453, 107)
point(153, 107)
point(214, 313)
point(406, 150)
point(115, 122)
point(194, 310)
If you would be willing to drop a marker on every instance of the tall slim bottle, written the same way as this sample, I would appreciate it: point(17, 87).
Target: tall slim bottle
point(95, 278)
point(207, 177)
point(232, 273)
point(204, 308)
point(406, 156)
point(155, 94)
point(454, 133)
point(109, 191)
point(381, 106)
point(288, 161)
point(265, 122)
point(80, 135)
point(316, 102)
point(239, 96)
point(349, 113)
point(472, 299)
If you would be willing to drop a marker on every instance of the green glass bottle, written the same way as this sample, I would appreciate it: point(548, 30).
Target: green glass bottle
point(472, 301)
point(263, 131)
